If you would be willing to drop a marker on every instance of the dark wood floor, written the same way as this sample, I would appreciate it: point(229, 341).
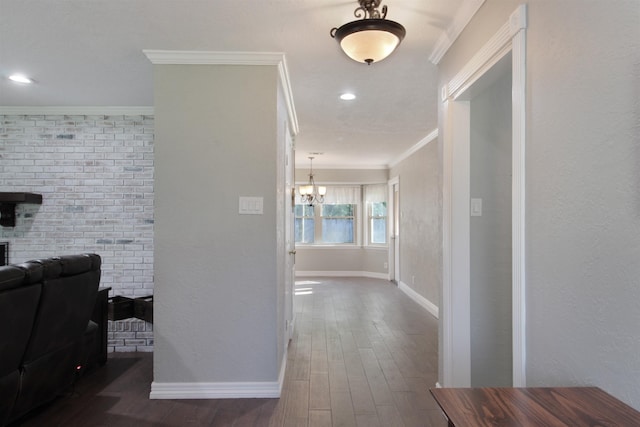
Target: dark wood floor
point(363, 354)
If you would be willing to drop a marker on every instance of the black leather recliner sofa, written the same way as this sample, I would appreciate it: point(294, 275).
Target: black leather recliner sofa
point(45, 331)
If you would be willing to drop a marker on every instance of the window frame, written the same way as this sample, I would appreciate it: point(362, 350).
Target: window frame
point(369, 225)
point(318, 228)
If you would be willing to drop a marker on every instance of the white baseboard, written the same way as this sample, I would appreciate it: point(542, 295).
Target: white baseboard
point(425, 303)
point(222, 390)
point(226, 390)
point(324, 273)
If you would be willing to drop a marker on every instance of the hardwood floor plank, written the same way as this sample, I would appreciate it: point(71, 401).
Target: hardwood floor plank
point(342, 414)
point(320, 418)
point(361, 397)
point(338, 382)
point(389, 416)
point(378, 383)
point(319, 396)
point(298, 400)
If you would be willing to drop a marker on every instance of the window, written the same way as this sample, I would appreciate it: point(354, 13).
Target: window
point(304, 224)
point(334, 222)
point(377, 223)
point(376, 202)
point(338, 223)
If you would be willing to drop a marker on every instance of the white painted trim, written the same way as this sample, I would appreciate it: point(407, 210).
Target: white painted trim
point(191, 57)
point(369, 274)
point(519, 117)
point(456, 225)
point(455, 322)
point(78, 111)
point(350, 167)
point(394, 241)
point(481, 62)
point(432, 136)
point(422, 301)
point(332, 247)
point(221, 390)
point(465, 12)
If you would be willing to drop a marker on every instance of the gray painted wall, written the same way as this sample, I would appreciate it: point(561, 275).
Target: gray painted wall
point(215, 271)
point(582, 181)
point(420, 221)
point(490, 286)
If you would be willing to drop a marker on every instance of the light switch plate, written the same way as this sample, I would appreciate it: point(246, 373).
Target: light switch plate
point(476, 207)
point(250, 205)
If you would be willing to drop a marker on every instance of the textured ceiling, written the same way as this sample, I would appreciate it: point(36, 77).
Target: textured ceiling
point(89, 53)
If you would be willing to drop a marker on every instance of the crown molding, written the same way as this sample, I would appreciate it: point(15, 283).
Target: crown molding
point(459, 23)
point(432, 136)
point(77, 110)
point(192, 57)
point(492, 51)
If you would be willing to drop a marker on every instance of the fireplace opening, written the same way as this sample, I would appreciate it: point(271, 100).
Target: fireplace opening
point(4, 253)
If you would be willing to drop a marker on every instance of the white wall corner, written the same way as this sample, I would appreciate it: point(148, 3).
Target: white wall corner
point(422, 301)
point(448, 36)
point(283, 365)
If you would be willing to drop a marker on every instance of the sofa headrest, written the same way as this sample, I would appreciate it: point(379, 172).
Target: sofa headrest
point(10, 277)
point(76, 264)
point(51, 267)
point(68, 265)
point(34, 272)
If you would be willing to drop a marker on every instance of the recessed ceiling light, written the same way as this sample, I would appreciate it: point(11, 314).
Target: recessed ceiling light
point(20, 78)
point(347, 96)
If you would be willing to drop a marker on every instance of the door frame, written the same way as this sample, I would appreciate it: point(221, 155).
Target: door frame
point(394, 235)
point(290, 256)
point(455, 328)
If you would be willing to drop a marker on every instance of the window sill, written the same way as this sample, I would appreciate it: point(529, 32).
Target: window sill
point(349, 247)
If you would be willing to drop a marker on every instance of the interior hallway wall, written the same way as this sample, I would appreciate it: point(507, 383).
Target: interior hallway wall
point(421, 222)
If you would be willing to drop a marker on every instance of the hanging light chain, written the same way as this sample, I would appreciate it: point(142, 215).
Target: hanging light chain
point(369, 10)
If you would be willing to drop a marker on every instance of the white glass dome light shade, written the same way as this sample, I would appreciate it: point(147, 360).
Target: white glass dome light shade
point(369, 40)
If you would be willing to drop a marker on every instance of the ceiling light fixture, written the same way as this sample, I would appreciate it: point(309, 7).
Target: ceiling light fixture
point(311, 194)
point(372, 38)
point(19, 78)
point(347, 97)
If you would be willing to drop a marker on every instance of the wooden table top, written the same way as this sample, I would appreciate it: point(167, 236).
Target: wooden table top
point(553, 406)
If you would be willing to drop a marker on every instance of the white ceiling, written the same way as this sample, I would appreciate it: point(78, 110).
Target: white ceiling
point(89, 53)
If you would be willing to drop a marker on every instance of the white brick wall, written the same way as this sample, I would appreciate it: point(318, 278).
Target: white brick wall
point(95, 174)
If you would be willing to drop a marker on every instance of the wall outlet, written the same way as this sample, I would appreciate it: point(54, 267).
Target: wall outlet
point(386, 265)
point(413, 280)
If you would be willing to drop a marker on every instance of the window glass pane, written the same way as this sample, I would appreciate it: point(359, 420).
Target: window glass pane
point(337, 210)
point(379, 209)
point(379, 230)
point(303, 210)
point(337, 230)
point(304, 230)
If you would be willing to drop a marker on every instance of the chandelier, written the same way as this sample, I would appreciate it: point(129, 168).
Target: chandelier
point(372, 38)
point(312, 194)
